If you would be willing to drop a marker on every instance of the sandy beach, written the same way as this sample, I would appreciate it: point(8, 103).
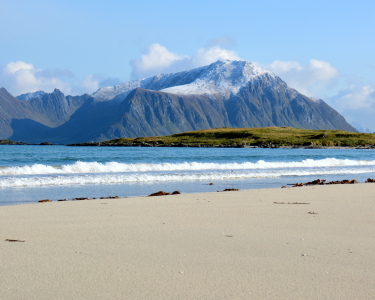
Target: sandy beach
point(314, 243)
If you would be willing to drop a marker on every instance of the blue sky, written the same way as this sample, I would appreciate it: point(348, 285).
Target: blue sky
point(324, 49)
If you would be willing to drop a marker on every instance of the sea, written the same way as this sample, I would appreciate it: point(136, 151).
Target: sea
point(29, 173)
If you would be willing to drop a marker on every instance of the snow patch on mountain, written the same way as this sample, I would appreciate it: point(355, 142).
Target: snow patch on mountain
point(155, 83)
point(29, 96)
point(221, 77)
point(317, 100)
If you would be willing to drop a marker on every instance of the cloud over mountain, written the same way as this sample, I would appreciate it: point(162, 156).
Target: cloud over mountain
point(21, 77)
point(357, 102)
point(226, 93)
point(308, 79)
point(352, 97)
point(157, 59)
point(356, 97)
point(316, 78)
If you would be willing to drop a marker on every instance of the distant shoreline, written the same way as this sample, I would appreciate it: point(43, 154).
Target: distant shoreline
point(15, 143)
point(273, 146)
point(263, 137)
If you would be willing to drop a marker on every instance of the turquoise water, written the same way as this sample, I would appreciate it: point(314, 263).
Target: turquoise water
point(32, 173)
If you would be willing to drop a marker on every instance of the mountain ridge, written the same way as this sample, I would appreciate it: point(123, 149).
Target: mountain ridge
point(222, 94)
point(212, 73)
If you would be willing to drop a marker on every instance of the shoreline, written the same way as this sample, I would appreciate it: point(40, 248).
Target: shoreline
point(273, 146)
point(224, 188)
point(315, 242)
point(85, 193)
point(270, 146)
point(259, 137)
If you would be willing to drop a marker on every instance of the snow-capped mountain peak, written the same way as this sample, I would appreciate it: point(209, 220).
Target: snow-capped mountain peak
point(223, 77)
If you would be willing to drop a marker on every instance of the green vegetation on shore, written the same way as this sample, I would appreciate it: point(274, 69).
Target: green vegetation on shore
point(248, 137)
point(9, 142)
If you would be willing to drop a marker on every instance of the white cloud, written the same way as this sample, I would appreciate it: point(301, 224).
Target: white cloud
point(357, 104)
point(308, 79)
point(205, 56)
point(155, 59)
point(14, 67)
point(21, 77)
point(90, 83)
point(158, 59)
point(355, 98)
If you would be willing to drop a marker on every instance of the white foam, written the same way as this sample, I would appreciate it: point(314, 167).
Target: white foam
point(115, 167)
point(61, 180)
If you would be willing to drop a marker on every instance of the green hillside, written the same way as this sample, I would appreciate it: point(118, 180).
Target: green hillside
point(245, 137)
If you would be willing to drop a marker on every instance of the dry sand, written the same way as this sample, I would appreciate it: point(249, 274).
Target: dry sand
point(228, 245)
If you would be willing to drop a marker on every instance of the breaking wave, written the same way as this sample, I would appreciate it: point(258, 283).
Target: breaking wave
point(65, 180)
point(80, 167)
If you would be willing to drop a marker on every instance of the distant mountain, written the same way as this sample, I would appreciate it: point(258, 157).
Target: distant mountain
point(360, 128)
point(56, 107)
point(13, 110)
point(223, 94)
point(32, 119)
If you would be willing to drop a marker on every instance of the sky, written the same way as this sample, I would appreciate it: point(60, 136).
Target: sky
point(323, 49)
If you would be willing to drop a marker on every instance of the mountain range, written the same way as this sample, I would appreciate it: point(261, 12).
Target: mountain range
point(223, 94)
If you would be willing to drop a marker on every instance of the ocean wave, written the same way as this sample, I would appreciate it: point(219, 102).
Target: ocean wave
point(80, 167)
point(65, 180)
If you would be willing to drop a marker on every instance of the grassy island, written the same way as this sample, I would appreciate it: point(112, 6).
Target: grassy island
point(267, 137)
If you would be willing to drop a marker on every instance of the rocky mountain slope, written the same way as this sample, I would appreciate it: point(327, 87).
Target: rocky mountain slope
point(223, 94)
